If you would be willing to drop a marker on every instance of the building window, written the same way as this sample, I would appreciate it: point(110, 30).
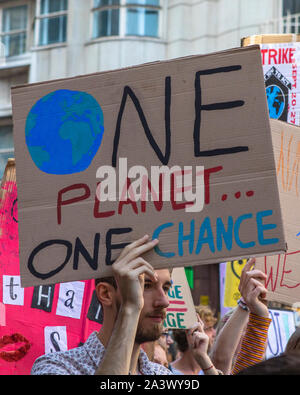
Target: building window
point(6, 146)
point(142, 18)
point(291, 7)
point(291, 16)
point(52, 21)
point(126, 18)
point(106, 18)
point(14, 30)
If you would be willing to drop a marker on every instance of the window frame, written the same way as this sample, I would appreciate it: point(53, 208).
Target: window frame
point(122, 7)
point(15, 4)
point(290, 23)
point(39, 17)
point(292, 13)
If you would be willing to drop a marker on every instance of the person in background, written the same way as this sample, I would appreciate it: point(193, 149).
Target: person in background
point(293, 344)
point(160, 355)
point(207, 316)
point(229, 334)
point(254, 302)
point(253, 313)
point(166, 342)
point(148, 347)
point(186, 364)
point(282, 365)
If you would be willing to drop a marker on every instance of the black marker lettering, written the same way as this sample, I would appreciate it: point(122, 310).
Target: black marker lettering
point(80, 249)
point(109, 246)
point(199, 107)
point(40, 247)
point(164, 158)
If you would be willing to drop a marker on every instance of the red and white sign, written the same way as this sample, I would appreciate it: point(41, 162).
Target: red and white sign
point(281, 62)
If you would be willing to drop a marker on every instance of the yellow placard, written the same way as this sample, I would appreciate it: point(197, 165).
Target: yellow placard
point(232, 280)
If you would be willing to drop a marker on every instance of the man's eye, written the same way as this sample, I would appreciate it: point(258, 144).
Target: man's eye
point(166, 289)
point(147, 285)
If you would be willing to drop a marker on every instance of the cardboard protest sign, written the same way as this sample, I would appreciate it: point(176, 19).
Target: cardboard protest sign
point(181, 312)
point(281, 329)
point(170, 149)
point(42, 319)
point(280, 65)
point(283, 270)
point(281, 62)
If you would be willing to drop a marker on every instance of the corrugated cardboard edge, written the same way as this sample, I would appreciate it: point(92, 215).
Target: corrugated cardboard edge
point(227, 51)
point(269, 39)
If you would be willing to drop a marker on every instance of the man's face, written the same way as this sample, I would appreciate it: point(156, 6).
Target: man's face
point(153, 314)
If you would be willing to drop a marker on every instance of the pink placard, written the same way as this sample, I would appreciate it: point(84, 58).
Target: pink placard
point(37, 320)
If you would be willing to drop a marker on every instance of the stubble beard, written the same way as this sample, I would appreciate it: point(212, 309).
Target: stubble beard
point(148, 334)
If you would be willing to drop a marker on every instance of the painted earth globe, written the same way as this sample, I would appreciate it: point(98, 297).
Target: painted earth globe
point(276, 101)
point(64, 131)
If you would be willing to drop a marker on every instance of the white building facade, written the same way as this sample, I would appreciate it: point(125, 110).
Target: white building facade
point(50, 39)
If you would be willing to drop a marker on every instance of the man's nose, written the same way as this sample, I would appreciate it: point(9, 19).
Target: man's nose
point(161, 299)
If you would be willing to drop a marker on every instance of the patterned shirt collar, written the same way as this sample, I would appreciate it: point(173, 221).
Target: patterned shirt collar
point(95, 349)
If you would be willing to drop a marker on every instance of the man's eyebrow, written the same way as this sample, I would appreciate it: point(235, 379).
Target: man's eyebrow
point(167, 283)
point(148, 280)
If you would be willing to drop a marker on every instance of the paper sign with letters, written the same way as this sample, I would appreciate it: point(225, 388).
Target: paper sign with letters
point(181, 312)
point(180, 150)
point(281, 329)
point(280, 55)
point(281, 63)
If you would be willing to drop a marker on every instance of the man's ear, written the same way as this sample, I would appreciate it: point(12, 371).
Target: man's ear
point(105, 293)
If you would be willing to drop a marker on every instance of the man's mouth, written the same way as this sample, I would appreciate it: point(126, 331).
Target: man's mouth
point(13, 347)
point(157, 317)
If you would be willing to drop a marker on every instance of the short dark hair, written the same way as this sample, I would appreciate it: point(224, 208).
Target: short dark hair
point(110, 280)
point(181, 340)
point(285, 364)
point(294, 342)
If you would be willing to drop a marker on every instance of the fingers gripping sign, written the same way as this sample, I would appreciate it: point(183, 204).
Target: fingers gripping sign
point(252, 289)
point(130, 269)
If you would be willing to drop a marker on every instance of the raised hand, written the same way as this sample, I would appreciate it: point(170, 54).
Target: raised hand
point(252, 289)
point(198, 342)
point(129, 270)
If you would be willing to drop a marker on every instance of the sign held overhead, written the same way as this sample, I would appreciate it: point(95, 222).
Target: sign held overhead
point(171, 149)
point(283, 270)
point(181, 313)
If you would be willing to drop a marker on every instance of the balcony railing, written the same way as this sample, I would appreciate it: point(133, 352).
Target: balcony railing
point(289, 24)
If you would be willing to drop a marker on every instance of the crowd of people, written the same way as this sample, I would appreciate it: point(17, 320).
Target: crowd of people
point(133, 340)
point(177, 356)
